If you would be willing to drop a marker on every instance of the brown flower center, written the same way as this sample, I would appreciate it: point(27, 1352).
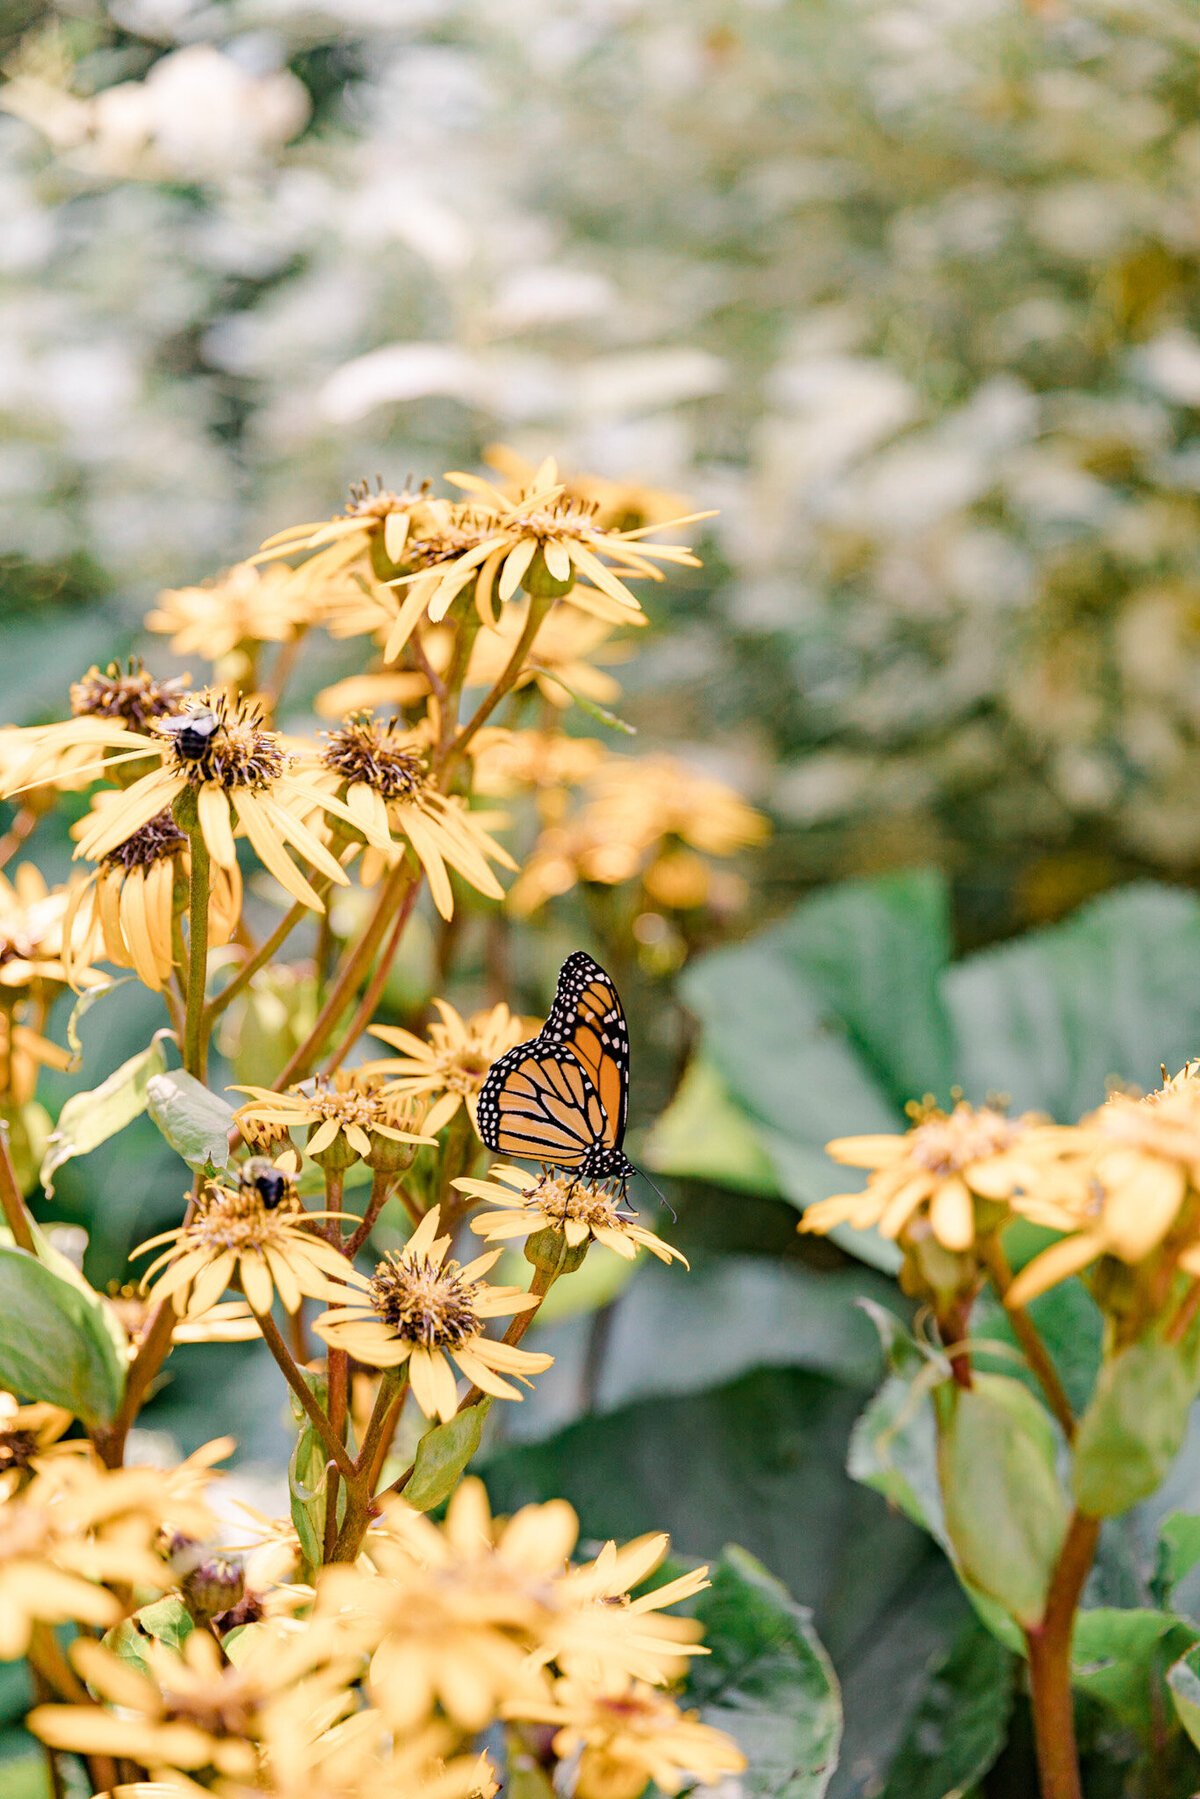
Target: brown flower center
point(153, 843)
point(365, 504)
point(234, 752)
point(17, 1449)
point(236, 1218)
point(131, 694)
point(364, 751)
point(425, 1303)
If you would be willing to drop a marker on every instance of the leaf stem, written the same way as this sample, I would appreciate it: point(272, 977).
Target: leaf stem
point(1029, 1337)
point(334, 1447)
point(15, 1214)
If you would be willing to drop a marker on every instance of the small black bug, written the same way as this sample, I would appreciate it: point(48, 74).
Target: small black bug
point(270, 1183)
point(193, 732)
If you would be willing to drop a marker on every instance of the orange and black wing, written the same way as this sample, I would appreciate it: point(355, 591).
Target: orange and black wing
point(539, 1102)
point(587, 1019)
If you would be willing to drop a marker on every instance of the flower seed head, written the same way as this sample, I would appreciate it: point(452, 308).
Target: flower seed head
point(153, 843)
point(364, 750)
point(424, 1302)
point(131, 694)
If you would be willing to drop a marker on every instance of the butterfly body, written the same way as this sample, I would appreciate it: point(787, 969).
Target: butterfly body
point(563, 1097)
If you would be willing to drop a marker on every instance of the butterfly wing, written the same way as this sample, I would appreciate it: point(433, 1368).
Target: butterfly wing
point(587, 1019)
point(539, 1102)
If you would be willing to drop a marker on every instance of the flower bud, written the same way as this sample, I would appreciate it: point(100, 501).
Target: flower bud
point(540, 584)
point(214, 1586)
point(548, 1249)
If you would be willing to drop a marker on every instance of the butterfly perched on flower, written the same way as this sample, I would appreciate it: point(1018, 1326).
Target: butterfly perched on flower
point(563, 1097)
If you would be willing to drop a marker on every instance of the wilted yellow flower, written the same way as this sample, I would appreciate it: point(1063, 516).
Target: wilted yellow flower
point(424, 1311)
point(628, 1736)
point(453, 1063)
point(131, 899)
point(245, 606)
point(194, 1712)
point(378, 770)
point(233, 1236)
point(933, 1171)
point(353, 1106)
point(241, 776)
point(547, 1201)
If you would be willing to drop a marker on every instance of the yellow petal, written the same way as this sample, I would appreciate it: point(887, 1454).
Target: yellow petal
point(213, 808)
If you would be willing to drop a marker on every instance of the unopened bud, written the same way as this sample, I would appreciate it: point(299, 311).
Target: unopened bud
point(214, 1586)
point(549, 1250)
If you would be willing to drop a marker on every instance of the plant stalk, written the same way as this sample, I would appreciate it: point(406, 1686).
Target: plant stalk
point(1029, 1337)
point(1049, 1647)
point(334, 1447)
point(15, 1214)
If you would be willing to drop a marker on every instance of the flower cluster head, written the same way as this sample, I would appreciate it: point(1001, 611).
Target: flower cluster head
point(645, 816)
point(944, 1178)
point(348, 1115)
point(424, 1311)
point(379, 771)
point(246, 1235)
point(452, 1063)
point(574, 1209)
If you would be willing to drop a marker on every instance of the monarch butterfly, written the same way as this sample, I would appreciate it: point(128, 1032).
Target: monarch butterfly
point(563, 1097)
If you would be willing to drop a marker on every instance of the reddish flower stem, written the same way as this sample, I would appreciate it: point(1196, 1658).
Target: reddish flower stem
point(1049, 1647)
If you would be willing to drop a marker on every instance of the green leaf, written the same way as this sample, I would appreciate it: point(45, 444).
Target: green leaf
point(1119, 1657)
point(194, 1121)
point(166, 1621)
point(59, 1346)
point(308, 1475)
point(1005, 1512)
point(704, 1134)
point(1132, 1430)
point(1183, 1680)
point(83, 1005)
point(442, 1455)
point(959, 1726)
point(89, 1119)
point(525, 1778)
point(1178, 1552)
point(600, 713)
point(27, 1776)
point(29, 1128)
point(767, 1681)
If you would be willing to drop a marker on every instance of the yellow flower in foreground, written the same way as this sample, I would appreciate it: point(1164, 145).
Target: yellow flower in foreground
point(354, 1107)
point(194, 1712)
point(242, 777)
point(932, 1171)
point(40, 935)
point(602, 1635)
point(130, 899)
point(246, 605)
point(454, 1062)
point(233, 1237)
point(379, 772)
point(546, 1201)
point(627, 1737)
point(424, 1311)
point(27, 1431)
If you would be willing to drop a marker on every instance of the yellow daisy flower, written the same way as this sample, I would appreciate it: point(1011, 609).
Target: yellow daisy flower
point(379, 772)
point(603, 1635)
point(27, 1431)
point(40, 938)
point(233, 1236)
point(626, 1737)
point(132, 897)
point(106, 704)
point(453, 1061)
point(349, 1115)
point(421, 1310)
point(242, 777)
point(379, 524)
point(936, 1172)
point(622, 505)
point(548, 1201)
point(247, 605)
point(546, 763)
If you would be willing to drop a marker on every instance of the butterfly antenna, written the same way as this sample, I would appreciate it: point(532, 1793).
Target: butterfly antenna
point(661, 1195)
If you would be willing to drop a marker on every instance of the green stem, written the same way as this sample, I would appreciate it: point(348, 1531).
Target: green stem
point(538, 608)
point(15, 1214)
point(381, 1186)
point(334, 1448)
point(337, 1363)
point(195, 1039)
point(260, 958)
point(1029, 1337)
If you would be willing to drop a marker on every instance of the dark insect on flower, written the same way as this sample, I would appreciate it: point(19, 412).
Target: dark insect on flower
point(193, 732)
point(272, 1184)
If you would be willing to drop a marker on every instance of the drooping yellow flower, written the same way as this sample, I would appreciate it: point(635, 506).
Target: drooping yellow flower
point(453, 1061)
point(547, 1201)
point(421, 1310)
point(233, 1237)
point(43, 945)
point(380, 773)
point(352, 1112)
point(934, 1172)
point(134, 894)
point(245, 606)
point(626, 1737)
point(242, 778)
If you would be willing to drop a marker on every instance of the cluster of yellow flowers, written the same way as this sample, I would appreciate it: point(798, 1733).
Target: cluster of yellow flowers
point(359, 1649)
